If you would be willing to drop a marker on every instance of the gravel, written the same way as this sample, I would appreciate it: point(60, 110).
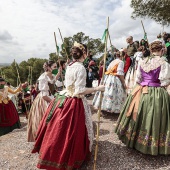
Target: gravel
point(112, 154)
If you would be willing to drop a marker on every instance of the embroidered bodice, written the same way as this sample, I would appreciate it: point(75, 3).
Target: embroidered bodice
point(153, 72)
point(151, 78)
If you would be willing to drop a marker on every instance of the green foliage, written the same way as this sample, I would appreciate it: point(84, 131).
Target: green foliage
point(94, 45)
point(157, 10)
point(36, 64)
point(11, 75)
point(53, 57)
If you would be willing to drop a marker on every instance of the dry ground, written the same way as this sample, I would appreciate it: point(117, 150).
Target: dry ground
point(113, 155)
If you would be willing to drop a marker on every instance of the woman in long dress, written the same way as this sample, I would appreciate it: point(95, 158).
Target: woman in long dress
point(9, 118)
point(144, 123)
point(115, 94)
point(39, 105)
point(131, 74)
point(65, 135)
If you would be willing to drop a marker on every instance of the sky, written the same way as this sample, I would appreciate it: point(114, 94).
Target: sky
point(27, 27)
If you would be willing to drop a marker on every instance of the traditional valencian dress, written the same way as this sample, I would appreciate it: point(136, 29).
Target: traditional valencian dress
point(39, 105)
point(65, 134)
point(144, 123)
point(9, 118)
point(114, 95)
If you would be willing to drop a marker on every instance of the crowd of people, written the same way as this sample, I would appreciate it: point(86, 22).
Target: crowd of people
point(59, 117)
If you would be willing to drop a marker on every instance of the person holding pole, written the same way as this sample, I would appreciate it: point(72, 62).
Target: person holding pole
point(65, 135)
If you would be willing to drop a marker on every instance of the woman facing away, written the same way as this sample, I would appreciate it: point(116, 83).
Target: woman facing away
point(114, 95)
point(131, 74)
point(40, 103)
point(9, 118)
point(144, 122)
point(65, 135)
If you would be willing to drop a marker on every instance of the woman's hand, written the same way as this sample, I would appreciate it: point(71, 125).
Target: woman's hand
point(124, 86)
point(100, 88)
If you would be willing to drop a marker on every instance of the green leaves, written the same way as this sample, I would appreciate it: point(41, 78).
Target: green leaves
point(154, 9)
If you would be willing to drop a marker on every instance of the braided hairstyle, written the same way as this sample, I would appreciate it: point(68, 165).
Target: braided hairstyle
point(155, 46)
point(76, 53)
point(47, 64)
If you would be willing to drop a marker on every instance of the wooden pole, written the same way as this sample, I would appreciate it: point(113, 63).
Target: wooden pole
point(144, 31)
point(29, 70)
point(20, 83)
point(63, 43)
point(99, 110)
point(58, 58)
point(56, 44)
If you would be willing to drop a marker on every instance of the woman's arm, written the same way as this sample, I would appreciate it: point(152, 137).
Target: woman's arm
point(15, 91)
point(47, 99)
point(121, 77)
point(93, 89)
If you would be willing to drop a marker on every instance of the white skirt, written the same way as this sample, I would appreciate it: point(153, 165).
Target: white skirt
point(114, 95)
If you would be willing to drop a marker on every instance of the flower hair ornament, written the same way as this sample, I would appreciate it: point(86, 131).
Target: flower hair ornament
point(80, 46)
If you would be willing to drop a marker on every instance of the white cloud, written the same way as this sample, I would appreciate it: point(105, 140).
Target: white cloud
point(27, 27)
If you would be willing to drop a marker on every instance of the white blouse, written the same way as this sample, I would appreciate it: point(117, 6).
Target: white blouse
point(43, 84)
point(75, 79)
point(152, 64)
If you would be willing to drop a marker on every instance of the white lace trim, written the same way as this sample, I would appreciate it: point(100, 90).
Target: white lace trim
point(151, 64)
point(88, 122)
point(138, 75)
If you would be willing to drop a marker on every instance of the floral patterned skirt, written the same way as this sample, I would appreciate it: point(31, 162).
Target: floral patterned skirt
point(114, 95)
point(130, 78)
point(144, 123)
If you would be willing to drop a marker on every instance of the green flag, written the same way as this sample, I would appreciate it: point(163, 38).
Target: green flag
point(167, 44)
point(145, 37)
point(104, 35)
point(62, 47)
point(58, 49)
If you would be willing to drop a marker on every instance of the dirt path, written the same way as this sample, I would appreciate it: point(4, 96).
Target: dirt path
point(113, 155)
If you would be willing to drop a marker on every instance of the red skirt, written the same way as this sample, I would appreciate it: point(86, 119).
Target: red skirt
point(8, 114)
point(63, 142)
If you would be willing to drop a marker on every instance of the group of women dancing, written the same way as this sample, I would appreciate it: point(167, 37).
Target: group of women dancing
point(61, 126)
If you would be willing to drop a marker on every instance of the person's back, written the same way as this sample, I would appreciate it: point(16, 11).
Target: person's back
point(150, 77)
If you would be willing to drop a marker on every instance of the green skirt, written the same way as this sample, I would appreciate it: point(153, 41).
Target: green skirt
point(149, 132)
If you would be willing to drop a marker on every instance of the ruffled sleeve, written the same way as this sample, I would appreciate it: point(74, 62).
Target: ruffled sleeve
point(120, 69)
point(80, 81)
point(138, 74)
point(164, 75)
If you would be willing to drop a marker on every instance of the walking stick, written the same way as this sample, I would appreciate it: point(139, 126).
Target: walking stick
point(100, 101)
point(58, 58)
point(63, 43)
point(20, 83)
